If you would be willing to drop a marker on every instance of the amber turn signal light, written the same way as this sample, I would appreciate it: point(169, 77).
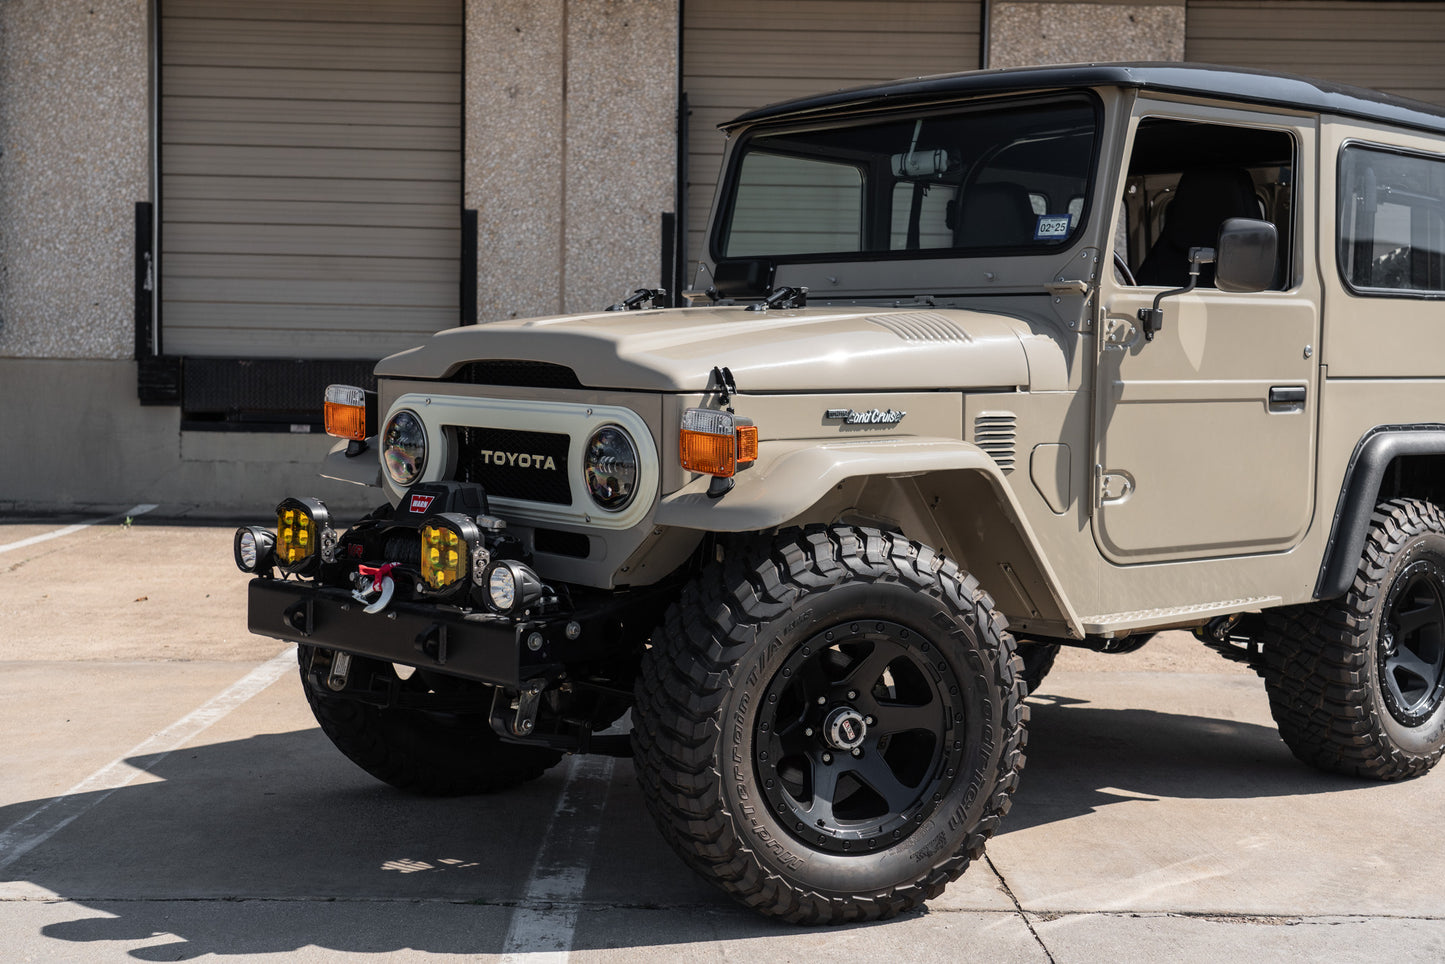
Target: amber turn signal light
point(716, 443)
point(349, 412)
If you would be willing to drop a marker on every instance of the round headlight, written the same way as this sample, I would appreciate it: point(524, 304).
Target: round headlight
point(403, 448)
point(611, 468)
point(502, 588)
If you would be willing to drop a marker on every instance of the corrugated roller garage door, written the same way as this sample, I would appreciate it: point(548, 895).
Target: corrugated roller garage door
point(310, 176)
point(741, 55)
point(1394, 47)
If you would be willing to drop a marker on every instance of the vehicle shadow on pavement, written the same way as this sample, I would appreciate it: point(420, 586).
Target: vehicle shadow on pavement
point(1081, 756)
point(275, 842)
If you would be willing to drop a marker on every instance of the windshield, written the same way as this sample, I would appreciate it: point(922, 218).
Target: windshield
point(1012, 178)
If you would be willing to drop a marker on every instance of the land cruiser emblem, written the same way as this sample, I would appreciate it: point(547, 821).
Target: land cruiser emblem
point(873, 417)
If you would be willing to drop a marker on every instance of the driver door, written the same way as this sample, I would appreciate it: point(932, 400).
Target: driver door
point(1205, 434)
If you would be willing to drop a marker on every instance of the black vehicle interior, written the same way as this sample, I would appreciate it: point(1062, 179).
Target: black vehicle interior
point(1185, 179)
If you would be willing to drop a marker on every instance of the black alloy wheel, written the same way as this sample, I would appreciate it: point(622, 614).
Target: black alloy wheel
point(855, 738)
point(1411, 653)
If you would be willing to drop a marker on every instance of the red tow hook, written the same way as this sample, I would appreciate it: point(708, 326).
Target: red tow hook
point(377, 573)
point(381, 582)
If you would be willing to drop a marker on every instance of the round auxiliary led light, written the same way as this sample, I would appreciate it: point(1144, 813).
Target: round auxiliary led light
point(403, 447)
point(253, 548)
point(611, 468)
point(502, 588)
point(511, 586)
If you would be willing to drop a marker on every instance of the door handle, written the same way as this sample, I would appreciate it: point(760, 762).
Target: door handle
point(1286, 396)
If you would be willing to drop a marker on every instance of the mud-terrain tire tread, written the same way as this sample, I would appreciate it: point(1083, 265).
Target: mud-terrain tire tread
point(1317, 661)
point(688, 673)
point(414, 752)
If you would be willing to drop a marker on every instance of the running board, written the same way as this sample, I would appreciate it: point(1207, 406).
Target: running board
point(1109, 623)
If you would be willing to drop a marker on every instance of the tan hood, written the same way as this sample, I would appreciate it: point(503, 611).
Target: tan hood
point(675, 350)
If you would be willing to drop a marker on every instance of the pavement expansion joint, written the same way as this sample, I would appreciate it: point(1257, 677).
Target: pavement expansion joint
point(1023, 916)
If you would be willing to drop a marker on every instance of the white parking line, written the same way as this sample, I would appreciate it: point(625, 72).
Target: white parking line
point(131, 513)
point(56, 814)
point(541, 929)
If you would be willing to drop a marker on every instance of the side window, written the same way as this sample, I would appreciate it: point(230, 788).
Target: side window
point(1185, 180)
point(789, 204)
point(1392, 220)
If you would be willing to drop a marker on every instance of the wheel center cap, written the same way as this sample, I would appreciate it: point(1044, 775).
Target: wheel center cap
point(845, 728)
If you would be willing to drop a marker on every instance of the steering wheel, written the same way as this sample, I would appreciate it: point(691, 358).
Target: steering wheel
point(1123, 268)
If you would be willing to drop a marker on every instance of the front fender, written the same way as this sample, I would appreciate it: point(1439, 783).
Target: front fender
point(363, 468)
point(791, 477)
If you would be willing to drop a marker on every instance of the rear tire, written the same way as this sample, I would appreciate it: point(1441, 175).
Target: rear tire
point(433, 754)
point(1357, 684)
point(830, 726)
point(1038, 658)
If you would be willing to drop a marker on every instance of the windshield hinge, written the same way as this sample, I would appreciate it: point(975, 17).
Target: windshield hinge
point(1072, 290)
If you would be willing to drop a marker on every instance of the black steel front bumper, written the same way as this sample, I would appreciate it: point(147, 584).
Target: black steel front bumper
point(491, 649)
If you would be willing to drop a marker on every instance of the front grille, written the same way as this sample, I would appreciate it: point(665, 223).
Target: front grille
point(515, 465)
point(519, 374)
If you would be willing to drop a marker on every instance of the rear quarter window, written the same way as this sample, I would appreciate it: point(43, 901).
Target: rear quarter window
point(1391, 221)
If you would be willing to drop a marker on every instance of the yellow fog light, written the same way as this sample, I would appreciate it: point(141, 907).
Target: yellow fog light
point(447, 541)
point(300, 524)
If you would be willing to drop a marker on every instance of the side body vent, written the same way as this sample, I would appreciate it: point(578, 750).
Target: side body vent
point(921, 326)
point(997, 434)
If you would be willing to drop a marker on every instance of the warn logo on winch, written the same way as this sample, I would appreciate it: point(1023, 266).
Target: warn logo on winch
point(420, 503)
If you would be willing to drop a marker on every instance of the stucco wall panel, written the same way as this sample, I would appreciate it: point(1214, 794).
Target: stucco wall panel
point(513, 161)
point(74, 159)
point(621, 146)
point(1022, 34)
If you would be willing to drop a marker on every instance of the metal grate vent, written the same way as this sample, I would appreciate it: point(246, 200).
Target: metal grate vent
point(523, 374)
point(921, 326)
point(997, 434)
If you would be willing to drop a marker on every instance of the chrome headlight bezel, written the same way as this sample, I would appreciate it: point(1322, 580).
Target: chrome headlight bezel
point(404, 447)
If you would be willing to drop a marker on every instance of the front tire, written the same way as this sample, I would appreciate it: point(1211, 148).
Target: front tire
point(830, 726)
point(1357, 684)
point(423, 752)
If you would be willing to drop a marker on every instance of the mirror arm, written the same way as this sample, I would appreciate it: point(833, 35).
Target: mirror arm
point(1153, 318)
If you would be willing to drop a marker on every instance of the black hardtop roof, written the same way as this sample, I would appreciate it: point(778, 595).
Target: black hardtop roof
point(1210, 80)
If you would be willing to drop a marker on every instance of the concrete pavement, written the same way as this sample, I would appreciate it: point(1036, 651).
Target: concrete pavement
point(167, 796)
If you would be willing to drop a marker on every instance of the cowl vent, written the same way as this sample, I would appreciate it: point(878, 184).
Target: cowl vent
point(997, 434)
point(921, 326)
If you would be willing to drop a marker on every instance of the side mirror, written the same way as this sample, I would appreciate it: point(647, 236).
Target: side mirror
point(1245, 255)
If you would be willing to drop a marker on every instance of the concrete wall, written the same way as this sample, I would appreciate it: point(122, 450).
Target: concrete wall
point(570, 149)
point(1023, 32)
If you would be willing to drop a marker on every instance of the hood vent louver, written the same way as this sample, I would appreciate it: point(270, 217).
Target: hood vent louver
point(997, 434)
point(520, 374)
point(921, 326)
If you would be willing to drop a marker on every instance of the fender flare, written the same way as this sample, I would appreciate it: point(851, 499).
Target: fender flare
point(363, 468)
point(1360, 493)
point(790, 477)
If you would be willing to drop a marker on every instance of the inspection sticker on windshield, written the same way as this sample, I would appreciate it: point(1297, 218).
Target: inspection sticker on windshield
point(1052, 226)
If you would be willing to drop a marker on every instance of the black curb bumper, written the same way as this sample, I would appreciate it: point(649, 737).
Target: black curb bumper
point(479, 647)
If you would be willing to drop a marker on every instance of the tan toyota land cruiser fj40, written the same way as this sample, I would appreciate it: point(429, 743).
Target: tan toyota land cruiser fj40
point(985, 364)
